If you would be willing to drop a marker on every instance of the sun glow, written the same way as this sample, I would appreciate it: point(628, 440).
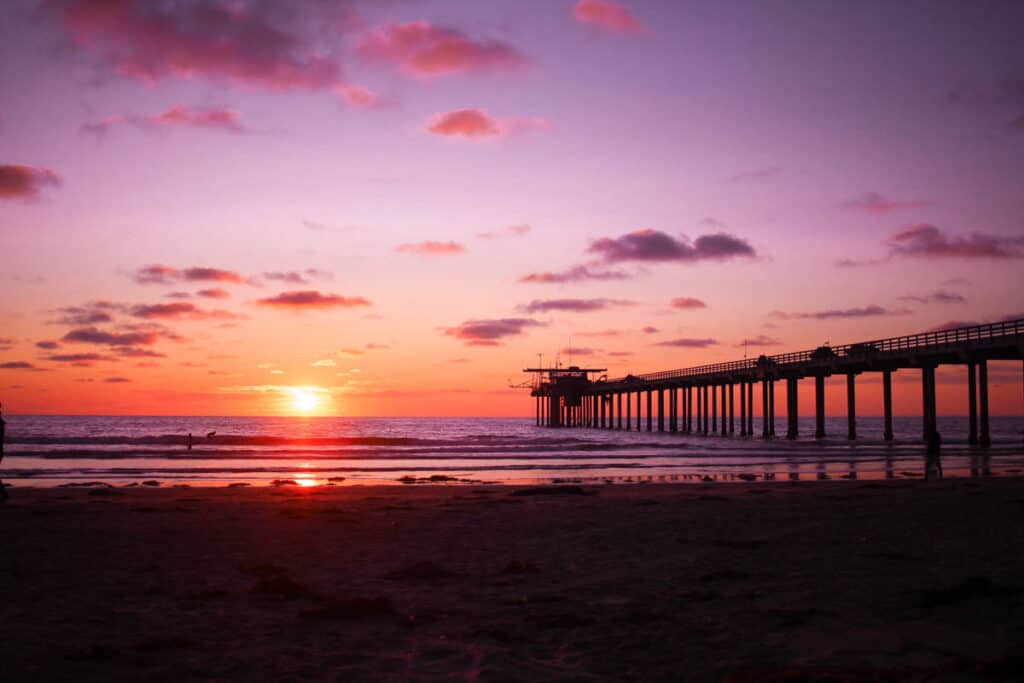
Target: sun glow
point(304, 400)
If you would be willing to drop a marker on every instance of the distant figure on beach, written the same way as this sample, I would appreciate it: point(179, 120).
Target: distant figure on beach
point(3, 429)
point(934, 458)
point(190, 441)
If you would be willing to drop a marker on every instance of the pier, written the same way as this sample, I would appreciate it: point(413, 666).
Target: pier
point(702, 399)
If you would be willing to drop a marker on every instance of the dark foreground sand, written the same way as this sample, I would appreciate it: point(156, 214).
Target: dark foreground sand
point(904, 580)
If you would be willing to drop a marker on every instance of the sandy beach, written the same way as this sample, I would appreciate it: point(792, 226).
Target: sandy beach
point(906, 580)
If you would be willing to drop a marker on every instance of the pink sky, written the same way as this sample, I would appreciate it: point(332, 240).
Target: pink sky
point(206, 208)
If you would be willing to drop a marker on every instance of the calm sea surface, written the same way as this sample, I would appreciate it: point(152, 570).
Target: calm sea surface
point(58, 450)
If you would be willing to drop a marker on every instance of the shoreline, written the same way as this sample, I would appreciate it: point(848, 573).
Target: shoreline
point(722, 581)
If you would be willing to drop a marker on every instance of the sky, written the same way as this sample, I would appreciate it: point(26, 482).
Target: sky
point(346, 207)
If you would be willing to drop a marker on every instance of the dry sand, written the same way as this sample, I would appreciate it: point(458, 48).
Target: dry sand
point(905, 580)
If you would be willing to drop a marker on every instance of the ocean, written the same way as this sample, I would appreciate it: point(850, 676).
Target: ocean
point(76, 450)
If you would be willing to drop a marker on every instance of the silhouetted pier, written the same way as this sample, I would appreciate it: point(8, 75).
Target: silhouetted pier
point(702, 399)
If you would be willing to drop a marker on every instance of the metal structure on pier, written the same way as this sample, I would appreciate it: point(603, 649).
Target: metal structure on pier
point(688, 400)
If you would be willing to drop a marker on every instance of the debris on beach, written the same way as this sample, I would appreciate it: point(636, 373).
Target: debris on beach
point(553, 491)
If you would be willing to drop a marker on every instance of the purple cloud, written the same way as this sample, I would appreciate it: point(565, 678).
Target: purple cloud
point(936, 297)
point(688, 343)
point(759, 340)
point(25, 182)
point(575, 274)
point(862, 312)
point(490, 332)
point(573, 305)
point(756, 174)
point(927, 241)
point(687, 302)
point(873, 202)
point(91, 335)
point(653, 245)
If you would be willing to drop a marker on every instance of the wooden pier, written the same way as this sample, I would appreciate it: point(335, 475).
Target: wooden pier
point(702, 399)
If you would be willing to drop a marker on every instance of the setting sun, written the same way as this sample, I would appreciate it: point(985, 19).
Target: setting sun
point(304, 400)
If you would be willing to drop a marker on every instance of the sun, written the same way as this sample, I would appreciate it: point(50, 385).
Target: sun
point(303, 400)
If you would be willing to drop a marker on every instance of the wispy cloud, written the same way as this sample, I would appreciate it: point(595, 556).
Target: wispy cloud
point(508, 231)
point(423, 50)
point(254, 46)
point(312, 299)
point(25, 182)
point(214, 293)
point(160, 274)
point(478, 124)
point(758, 341)
point(929, 242)
point(576, 274)
point(841, 313)
point(607, 15)
point(873, 202)
point(294, 277)
point(18, 365)
point(91, 335)
point(490, 332)
point(688, 303)
point(756, 174)
point(579, 351)
point(936, 297)
point(431, 248)
point(573, 305)
point(91, 313)
point(178, 116)
point(688, 343)
point(179, 310)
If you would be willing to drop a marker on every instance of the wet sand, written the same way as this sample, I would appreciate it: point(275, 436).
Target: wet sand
point(851, 580)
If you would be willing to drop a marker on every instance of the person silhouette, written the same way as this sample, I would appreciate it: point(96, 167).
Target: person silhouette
point(190, 441)
point(3, 429)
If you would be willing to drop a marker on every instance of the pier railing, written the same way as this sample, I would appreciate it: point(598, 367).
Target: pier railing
point(923, 341)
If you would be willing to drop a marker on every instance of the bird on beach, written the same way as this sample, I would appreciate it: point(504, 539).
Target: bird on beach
point(210, 435)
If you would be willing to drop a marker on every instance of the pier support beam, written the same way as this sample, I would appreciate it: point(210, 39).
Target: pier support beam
point(629, 411)
point(661, 410)
point(792, 409)
point(684, 410)
point(732, 410)
point(704, 409)
point(650, 421)
point(725, 410)
point(750, 408)
point(984, 438)
point(887, 404)
point(714, 408)
point(688, 399)
point(928, 403)
point(673, 409)
point(693, 400)
point(764, 409)
point(618, 411)
point(771, 408)
point(743, 408)
point(555, 411)
point(819, 407)
point(972, 400)
point(851, 407)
